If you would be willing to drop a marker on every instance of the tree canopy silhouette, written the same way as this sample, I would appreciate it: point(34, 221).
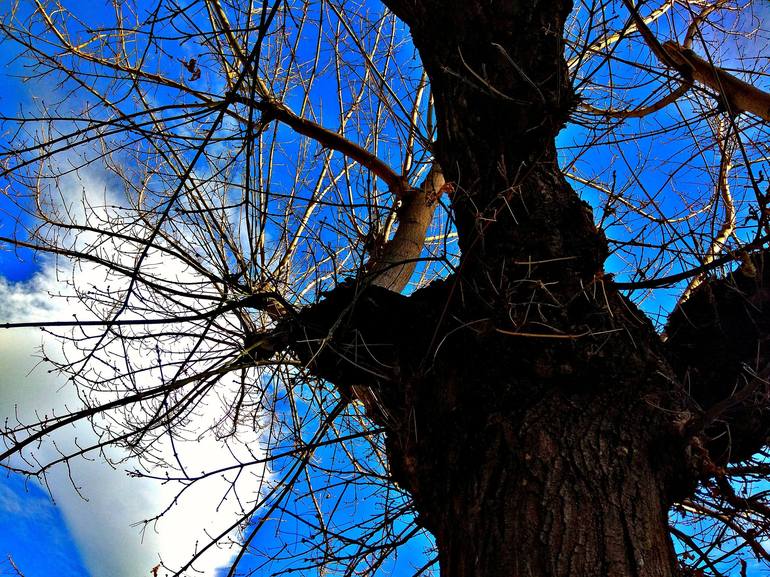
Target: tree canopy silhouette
point(413, 246)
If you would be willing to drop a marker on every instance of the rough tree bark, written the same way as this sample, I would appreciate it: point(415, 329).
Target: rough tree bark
point(541, 424)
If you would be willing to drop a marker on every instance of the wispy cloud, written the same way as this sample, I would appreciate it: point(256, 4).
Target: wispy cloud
point(18, 506)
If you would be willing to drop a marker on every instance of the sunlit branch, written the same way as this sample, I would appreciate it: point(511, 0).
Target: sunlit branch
point(671, 280)
point(642, 110)
point(394, 263)
point(736, 95)
point(610, 38)
point(727, 228)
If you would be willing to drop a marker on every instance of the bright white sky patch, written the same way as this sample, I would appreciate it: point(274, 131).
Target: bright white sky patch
point(102, 524)
point(102, 504)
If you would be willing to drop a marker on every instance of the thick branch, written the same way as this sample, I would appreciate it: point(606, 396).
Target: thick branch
point(354, 336)
point(393, 268)
point(737, 95)
point(718, 346)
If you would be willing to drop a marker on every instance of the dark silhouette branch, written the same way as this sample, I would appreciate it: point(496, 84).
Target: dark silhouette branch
point(717, 345)
point(273, 109)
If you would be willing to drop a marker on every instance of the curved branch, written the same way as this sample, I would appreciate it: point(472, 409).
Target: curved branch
point(738, 96)
point(273, 109)
point(639, 111)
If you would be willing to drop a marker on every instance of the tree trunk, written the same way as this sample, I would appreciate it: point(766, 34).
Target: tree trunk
point(571, 493)
point(530, 409)
point(524, 455)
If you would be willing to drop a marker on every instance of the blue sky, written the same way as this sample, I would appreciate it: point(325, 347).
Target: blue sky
point(15, 264)
point(32, 528)
point(34, 532)
point(90, 521)
point(75, 532)
point(47, 536)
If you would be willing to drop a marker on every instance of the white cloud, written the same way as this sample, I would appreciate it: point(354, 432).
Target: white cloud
point(102, 524)
point(100, 502)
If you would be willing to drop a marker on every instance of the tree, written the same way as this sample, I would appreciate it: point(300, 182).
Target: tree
point(514, 401)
